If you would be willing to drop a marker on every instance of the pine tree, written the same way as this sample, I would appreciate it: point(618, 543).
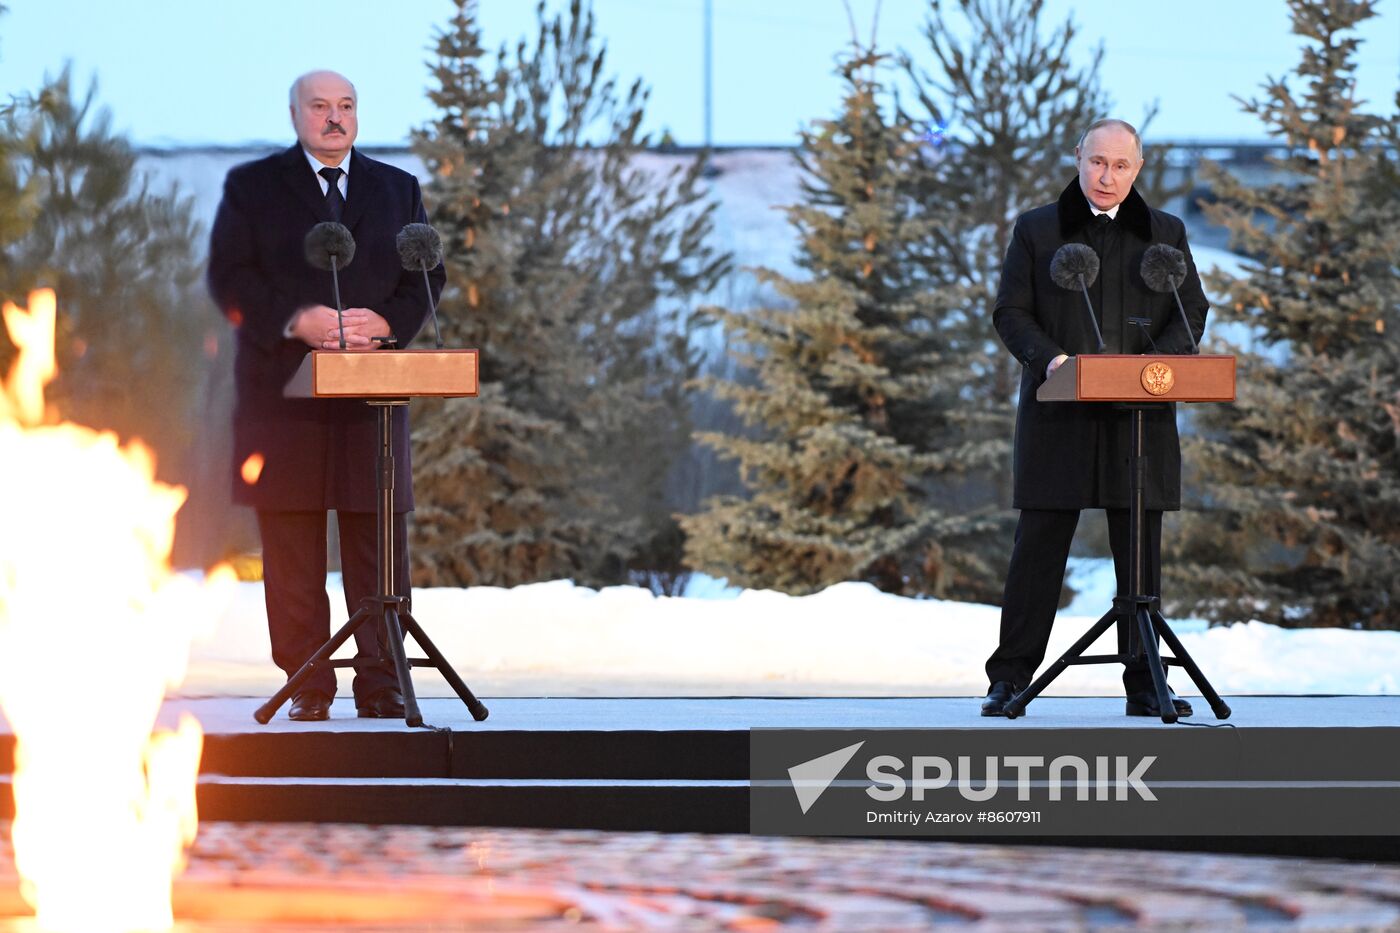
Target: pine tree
point(569, 262)
point(1299, 522)
point(122, 260)
point(18, 196)
point(19, 193)
point(843, 431)
point(1002, 109)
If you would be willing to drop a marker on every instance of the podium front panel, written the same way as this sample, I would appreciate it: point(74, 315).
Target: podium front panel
point(371, 374)
point(1131, 378)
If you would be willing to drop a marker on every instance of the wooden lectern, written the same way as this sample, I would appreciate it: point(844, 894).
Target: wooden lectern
point(385, 379)
point(1136, 384)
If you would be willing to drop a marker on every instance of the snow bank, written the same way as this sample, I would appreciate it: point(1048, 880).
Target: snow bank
point(851, 639)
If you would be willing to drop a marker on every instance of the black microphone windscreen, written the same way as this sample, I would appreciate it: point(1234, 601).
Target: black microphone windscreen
point(1070, 262)
point(326, 240)
point(1163, 267)
point(420, 247)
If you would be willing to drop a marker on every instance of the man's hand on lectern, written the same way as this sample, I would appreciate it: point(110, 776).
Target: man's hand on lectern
point(318, 327)
point(1054, 365)
point(364, 325)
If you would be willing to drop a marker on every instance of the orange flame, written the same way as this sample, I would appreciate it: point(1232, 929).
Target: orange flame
point(34, 368)
point(103, 809)
point(252, 468)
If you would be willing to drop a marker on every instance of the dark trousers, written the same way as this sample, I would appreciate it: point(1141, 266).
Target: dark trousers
point(294, 587)
point(1033, 583)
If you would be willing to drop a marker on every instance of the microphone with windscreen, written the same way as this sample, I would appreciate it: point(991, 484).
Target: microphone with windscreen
point(330, 246)
point(420, 249)
point(1163, 269)
point(1075, 265)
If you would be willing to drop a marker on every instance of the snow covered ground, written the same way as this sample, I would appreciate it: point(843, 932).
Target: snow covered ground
point(560, 639)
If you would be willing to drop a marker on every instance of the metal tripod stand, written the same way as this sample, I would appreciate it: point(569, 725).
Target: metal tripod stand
point(1145, 621)
point(384, 608)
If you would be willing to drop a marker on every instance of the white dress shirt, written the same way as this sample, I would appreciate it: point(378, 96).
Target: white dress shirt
point(343, 182)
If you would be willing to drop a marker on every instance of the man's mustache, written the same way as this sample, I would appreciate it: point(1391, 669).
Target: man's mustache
point(333, 128)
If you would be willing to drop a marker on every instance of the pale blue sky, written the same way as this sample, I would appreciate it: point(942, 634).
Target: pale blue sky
point(200, 71)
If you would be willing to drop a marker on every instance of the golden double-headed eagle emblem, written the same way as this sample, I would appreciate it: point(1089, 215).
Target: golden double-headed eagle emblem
point(1158, 378)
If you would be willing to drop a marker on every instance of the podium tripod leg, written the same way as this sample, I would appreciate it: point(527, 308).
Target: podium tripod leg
point(264, 713)
point(1154, 664)
point(459, 686)
point(1018, 703)
point(393, 634)
point(1183, 658)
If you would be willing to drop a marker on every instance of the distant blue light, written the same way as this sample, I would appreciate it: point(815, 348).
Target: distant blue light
point(936, 134)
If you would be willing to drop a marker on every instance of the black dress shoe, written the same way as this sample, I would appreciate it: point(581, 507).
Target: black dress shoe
point(998, 696)
point(1144, 703)
point(384, 703)
point(310, 706)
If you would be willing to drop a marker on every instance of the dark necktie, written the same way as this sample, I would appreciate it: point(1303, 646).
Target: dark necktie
point(1104, 242)
point(334, 200)
point(1097, 229)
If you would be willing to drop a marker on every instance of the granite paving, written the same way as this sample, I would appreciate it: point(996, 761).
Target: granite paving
point(293, 877)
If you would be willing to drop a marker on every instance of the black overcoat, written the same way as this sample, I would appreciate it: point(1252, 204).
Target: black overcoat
point(317, 453)
point(1073, 455)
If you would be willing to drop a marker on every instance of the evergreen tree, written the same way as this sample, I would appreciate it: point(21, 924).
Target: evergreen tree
point(18, 196)
point(570, 261)
point(122, 260)
point(1002, 109)
point(1300, 478)
point(19, 193)
point(843, 429)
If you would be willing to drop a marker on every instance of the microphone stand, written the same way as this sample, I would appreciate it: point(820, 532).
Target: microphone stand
point(339, 318)
point(1093, 321)
point(432, 305)
point(1190, 334)
point(1145, 323)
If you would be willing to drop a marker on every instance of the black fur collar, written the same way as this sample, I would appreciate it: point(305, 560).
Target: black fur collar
point(1075, 214)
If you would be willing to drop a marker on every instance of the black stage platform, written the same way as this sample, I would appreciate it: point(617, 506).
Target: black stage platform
point(682, 764)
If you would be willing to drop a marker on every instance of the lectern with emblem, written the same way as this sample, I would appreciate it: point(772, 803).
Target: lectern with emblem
point(1135, 385)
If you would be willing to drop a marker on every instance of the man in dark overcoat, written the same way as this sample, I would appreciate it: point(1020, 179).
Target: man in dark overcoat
point(295, 459)
point(1070, 456)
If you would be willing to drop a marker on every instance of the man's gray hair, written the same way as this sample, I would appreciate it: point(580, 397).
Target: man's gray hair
point(296, 84)
point(1118, 124)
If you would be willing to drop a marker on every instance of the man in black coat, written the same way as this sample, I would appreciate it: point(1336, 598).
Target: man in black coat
point(1070, 456)
point(295, 459)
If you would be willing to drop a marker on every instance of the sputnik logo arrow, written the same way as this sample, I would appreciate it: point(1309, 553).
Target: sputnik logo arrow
point(811, 778)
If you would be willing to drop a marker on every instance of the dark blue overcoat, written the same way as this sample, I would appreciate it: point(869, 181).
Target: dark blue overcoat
point(317, 453)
